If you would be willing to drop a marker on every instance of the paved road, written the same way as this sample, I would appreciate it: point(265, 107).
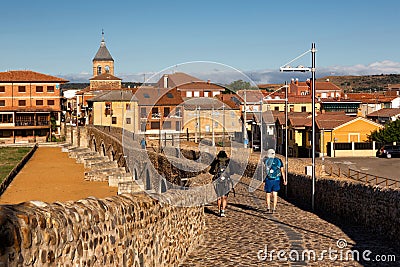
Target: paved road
point(241, 238)
point(389, 168)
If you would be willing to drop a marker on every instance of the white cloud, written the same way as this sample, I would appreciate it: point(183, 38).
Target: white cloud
point(264, 76)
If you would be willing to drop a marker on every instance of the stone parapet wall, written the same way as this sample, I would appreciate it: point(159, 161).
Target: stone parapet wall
point(375, 208)
point(125, 230)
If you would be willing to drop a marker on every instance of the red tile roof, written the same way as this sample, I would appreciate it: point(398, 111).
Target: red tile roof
point(370, 98)
point(323, 86)
point(177, 79)
point(385, 112)
point(201, 85)
point(153, 96)
point(28, 76)
point(105, 77)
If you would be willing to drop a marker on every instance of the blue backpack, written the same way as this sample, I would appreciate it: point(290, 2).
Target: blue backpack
point(273, 168)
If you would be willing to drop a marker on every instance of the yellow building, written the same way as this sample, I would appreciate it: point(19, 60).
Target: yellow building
point(204, 115)
point(344, 130)
point(295, 103)
point(116, 108)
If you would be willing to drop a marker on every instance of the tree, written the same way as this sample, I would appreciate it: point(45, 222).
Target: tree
point(389, 134)
point(238, 85)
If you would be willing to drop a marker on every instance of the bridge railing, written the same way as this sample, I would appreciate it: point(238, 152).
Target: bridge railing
point(336, 170)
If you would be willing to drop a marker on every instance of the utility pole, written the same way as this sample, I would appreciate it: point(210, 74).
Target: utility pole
point(313, 50)
point(245, 140)
point(223, 128)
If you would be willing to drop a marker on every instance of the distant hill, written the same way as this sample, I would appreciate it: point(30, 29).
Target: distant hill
point(363, 83)
point(80, 86)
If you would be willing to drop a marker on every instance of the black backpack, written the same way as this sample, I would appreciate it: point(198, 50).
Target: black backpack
point(223, 178)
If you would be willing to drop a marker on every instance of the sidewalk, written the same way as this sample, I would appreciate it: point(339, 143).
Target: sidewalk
point(241, 238)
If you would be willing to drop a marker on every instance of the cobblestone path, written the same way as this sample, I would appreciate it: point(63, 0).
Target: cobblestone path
point(241, 238)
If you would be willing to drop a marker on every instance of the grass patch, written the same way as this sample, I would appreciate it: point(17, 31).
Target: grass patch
point(9, 158)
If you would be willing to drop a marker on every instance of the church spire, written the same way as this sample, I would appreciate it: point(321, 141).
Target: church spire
point(103, 43)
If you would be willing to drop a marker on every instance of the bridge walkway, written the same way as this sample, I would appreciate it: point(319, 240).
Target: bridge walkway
point(241, 238)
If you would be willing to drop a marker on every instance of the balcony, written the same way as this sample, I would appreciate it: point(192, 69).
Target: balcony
point(156, 116)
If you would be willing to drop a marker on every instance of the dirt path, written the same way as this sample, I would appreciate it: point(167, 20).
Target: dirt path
point(51, 176)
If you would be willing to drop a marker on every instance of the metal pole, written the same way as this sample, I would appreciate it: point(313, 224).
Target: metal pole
point(261, 115)
point(212, 126)
point(245, 121)
point(199, 125)
point(223, 130)
point(286, 135)
point(196, 125)
point(261, 139)
point(313, 50)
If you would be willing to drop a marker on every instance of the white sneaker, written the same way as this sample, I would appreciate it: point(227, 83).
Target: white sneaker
point(222, 214)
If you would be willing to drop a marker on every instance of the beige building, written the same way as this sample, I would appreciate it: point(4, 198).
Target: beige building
point(116, 108)
point(205, 117)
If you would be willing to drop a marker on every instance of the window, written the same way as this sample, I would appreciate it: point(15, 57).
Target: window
point(108, 110)
point(5, 133)
point(143, 113)
point(39, 89)
point(167, 125)
point(166, 111)
point(114, 120)
point(276, 108)
point(128, 106)
point(178, 126)
point(128, 120)
point(169, 95)
point(189, 94)
point(155, 125)
point(21, 103)
point(207, 93)
point(107, 68)
point(303, 109)
point(98, 70)
point(143, 126)
point(178, 112)
point(155, 114)
point(21, 89)
point(50, 102)
point(50, 89)
point(196, 93)
point(2, 103)
point(2, 89)
point(39, 102)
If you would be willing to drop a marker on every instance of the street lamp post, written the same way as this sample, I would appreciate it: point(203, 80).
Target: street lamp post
point(287, 68)
point(286, 135)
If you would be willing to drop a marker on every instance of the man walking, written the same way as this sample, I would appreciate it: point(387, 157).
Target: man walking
point(143, 143)
point(274, 171)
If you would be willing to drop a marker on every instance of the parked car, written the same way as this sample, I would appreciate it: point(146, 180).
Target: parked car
point(389, 151)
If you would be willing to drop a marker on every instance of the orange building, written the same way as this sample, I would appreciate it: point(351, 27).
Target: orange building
point(29, 106)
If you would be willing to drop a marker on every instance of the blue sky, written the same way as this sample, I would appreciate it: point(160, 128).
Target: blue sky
point(61, 37)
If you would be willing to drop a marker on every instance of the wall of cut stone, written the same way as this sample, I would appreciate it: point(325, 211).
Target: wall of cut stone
point(125, 230)
point(375, 208)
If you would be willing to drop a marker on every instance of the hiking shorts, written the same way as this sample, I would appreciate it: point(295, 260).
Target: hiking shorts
point(272, 185)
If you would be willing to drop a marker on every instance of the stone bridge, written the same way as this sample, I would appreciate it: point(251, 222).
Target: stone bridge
point(142, 229)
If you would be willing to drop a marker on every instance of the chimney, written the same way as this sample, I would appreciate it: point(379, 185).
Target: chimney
point(292, 81)
point(297, 81)
point(165, 81)
point(327, 80)
point(208, 81)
